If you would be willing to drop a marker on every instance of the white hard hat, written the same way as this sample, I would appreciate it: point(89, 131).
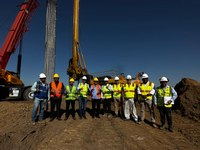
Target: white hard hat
point(42, 75)
point(105, 79)
point(116, 78)
point(164, 79)
point(145, 76)
point(84, 78)
point(128, 77)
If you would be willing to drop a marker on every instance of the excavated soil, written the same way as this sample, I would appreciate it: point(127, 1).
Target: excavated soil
point(188, 101)
point(17, 132)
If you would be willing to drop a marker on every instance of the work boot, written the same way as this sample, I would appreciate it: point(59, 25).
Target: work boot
point(104, 115)
point(115, 116)
point(93, 116)
point(154, 125)
point(58, 118)
point(42, 121)
point(141, 122)
point(170, 129)
point(51, 119)
point(84, 116)
point(162, 127)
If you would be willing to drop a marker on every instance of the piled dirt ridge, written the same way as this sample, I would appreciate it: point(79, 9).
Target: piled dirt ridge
point(188, 101)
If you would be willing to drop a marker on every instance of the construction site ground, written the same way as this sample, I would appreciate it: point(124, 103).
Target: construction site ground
point(18, 132)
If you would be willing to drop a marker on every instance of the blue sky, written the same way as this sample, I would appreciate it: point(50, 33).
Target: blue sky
point(159, 37)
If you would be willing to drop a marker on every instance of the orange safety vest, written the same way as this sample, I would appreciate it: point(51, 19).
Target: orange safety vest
point(55, 89)
point(97, 89)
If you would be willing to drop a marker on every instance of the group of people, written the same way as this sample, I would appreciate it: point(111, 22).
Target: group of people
point(123, 96)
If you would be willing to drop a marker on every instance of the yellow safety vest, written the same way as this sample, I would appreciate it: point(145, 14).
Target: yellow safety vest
point(161, 94)
point(127, 88)
point(71, 95)
point(106, 92)
point(84, 91)
point(117, 88)
point(146, 89)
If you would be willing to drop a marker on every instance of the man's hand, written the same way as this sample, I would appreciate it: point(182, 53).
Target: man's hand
point(37, 90)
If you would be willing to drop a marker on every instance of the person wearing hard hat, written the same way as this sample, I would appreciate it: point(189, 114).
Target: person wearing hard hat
point(117, 93)
point(146, 92)
point(129, 96)
point(70, 98)
point(95, 90)
point(164, 99)
point(57, 89)
point(83, 89)
point(40, 90)
point(107, 90)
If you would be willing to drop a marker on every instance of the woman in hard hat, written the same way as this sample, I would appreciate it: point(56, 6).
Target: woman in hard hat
point(164, 99)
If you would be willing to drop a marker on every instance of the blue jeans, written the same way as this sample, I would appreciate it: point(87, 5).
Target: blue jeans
point(38, 103)
point(82, 105)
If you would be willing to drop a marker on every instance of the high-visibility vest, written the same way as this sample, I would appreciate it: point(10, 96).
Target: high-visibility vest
point(71, 94)
point(146, 89)
point(127, 89)
point(98, 87)
point(161, 93)
point(107, 94)
point(43, 90)
point(57, 90)
point(117, 90)
point(84, 91)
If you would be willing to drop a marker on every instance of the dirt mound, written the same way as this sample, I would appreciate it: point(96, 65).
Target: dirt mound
point(188, 101)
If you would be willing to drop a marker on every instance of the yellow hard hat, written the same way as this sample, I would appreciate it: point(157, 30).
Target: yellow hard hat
point(56, 75)
point(71, 80)
point(96, 79)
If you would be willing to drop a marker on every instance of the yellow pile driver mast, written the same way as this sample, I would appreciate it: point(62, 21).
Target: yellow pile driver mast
point(77, 66)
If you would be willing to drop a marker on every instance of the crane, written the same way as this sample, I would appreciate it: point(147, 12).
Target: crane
point(11, 85)
point(77, 66)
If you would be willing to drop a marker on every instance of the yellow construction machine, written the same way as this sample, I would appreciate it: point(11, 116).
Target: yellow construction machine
point(77, 66)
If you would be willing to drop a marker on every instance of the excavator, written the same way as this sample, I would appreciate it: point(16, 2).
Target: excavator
point(77, 66)
point(11, 86)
